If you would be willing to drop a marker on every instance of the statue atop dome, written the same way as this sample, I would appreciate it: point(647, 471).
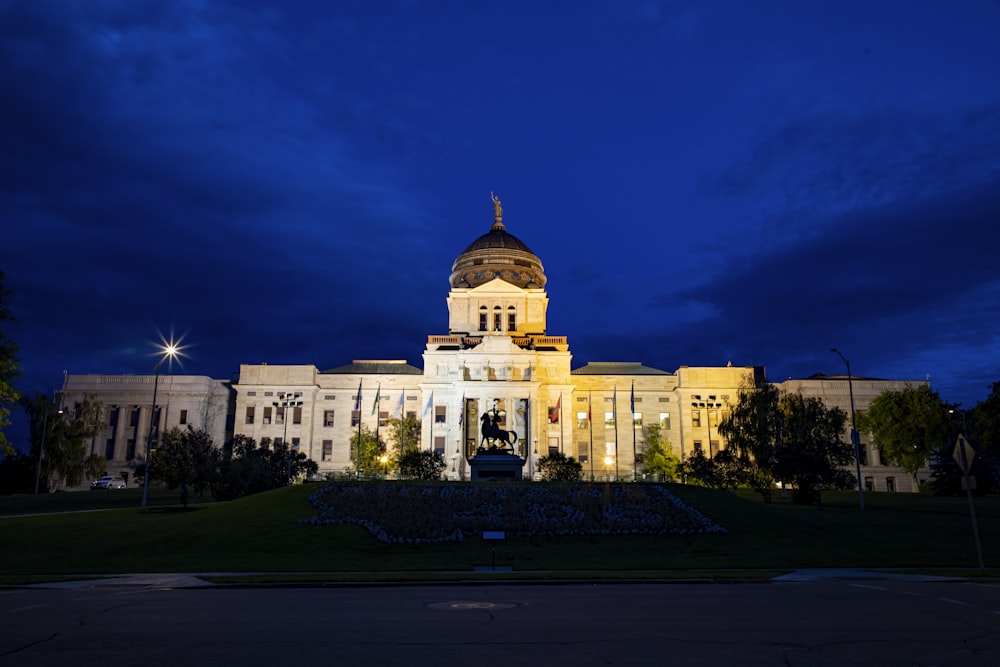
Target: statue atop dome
point(497, 208)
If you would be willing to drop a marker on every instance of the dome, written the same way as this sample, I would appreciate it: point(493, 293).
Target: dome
point(497, 254)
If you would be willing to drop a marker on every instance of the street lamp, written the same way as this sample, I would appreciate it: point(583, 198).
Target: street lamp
point(854, 427)
point(286, 401)
point(965, 426)
point(41, 445)
point(169, 352)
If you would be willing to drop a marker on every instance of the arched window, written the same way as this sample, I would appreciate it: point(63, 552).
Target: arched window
point(483, 320)
point(511, 318)
point(497, 319)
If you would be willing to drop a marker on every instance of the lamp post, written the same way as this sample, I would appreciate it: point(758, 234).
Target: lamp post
point(965, 426)
point(169, 352)
point(41, 445)
point(286, 401)
point(855, 440)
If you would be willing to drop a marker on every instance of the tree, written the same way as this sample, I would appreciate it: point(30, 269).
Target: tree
point(245, 468)
point(753, 431)
point(700, 469)
point(984, 421)
point(778, 436)
point(65, 459)
point(185, 459)
point(812, 452)
point(907, 426)
point(9, 371)
point(557, 467)
point(410, 441)
point(659, 457)
point(421, 464)
point(371, 448)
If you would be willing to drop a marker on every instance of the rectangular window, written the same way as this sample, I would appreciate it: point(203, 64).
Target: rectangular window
point(249, 419)
point(665, 421)
point(581, 420)
point(553, 446)
point(113, 417)
point(327, 450)
point(355, 417)
point(383, 417)
point(637, 420)
point(713, 419)
point(697, 445)
point(869, 483)
point(328, 418)
point(863, 454)
point(184, 416)
point(157, 414)
point(553, 414)
point(296, 415)
point(410, 414)
point(482, 321)
point(329, 397)
point(109, 449)
point(713, 447)
point(890, 484)
point(609, 419)
point(130, 449)
point(133, 418)
point(582, 451)
point(440, 414)
point(279, 415)
point(439, 446)
point(267, 415)
point(251, 393)
point(696, 418)
point(295, 443)
point(497, 321)
point(278, 442)
point(511, 322)
point(265, 443)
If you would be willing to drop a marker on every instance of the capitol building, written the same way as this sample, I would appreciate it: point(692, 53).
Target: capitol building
point(496, 356)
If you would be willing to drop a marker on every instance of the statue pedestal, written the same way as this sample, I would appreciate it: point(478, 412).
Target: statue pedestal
point(498, 467)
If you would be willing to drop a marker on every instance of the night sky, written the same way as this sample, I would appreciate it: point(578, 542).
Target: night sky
point(704, 182)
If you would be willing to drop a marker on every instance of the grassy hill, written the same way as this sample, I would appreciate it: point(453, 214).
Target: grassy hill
point(264, 533)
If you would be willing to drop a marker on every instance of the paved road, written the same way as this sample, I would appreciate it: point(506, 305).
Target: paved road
point(863, 621)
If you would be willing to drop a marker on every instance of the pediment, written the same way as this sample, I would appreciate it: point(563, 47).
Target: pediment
point(497, 286)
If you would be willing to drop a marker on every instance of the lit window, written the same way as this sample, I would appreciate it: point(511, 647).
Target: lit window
point(250, 410)
point(328, 418)
point(609, 419)
point(665, 421)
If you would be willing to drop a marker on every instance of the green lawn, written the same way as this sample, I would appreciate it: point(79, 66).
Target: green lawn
point(261, 534)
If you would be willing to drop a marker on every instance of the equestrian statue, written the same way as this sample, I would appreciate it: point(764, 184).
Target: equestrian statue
point(494, 435)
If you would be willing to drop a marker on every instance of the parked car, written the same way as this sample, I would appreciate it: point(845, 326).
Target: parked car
point(108, 482)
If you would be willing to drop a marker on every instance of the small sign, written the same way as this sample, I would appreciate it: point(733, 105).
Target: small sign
point(493, 535)
point(963, 447)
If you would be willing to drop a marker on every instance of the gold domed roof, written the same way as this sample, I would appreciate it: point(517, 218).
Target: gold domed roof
point(497, 254)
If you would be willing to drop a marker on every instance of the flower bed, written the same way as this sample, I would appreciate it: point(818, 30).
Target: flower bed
point(413, 513)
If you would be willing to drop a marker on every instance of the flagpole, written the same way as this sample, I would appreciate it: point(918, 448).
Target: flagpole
point(378, 395)
point(357, 405)
point(559, 413)
point(614, 406)
point(635, 468)
point(590, 423)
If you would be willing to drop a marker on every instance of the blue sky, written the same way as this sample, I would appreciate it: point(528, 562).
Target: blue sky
point(704, 182)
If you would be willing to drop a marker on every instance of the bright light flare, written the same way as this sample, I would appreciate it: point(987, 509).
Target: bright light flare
point(170, 349)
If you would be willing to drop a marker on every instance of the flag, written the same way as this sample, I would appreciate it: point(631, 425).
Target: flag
point(590, 408)
point(631, 400)
point(399, 407)
point(559, 407)
point(461, 409)
point(430, 402)
point(378, 395)
point(614, 399)
point(357, 399)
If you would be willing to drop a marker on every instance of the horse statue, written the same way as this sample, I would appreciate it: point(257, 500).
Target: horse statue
point(493, 433)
